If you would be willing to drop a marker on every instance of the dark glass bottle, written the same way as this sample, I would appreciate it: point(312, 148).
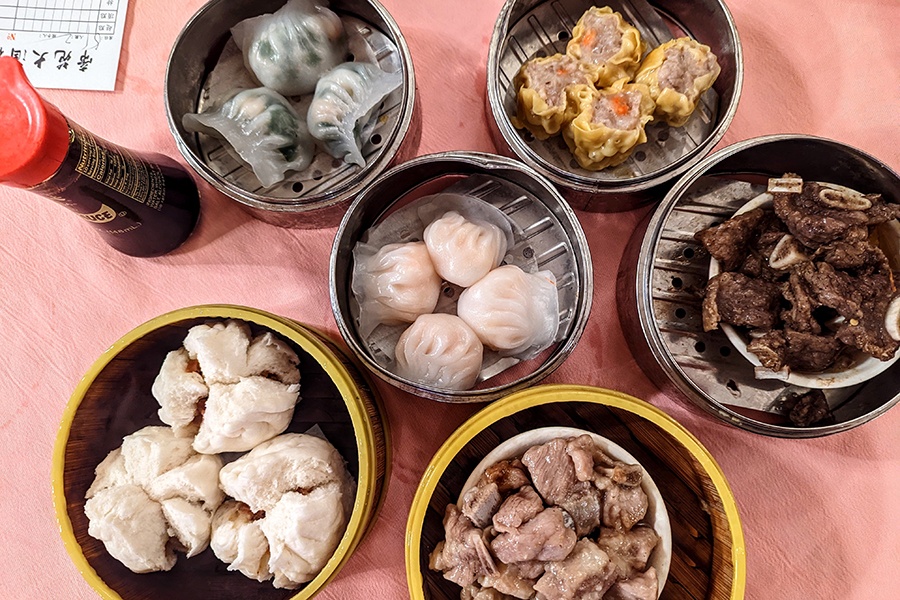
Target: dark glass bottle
point(142, 204)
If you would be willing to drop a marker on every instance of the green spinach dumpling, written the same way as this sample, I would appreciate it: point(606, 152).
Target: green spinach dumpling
point(263, 128)
point(289, 50)
point(344, 103)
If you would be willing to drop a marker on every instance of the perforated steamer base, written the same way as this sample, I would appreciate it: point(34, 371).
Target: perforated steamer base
point(545, 31)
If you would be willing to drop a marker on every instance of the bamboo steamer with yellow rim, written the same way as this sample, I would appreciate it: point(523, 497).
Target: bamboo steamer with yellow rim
point(708, 553)
point(113, 400)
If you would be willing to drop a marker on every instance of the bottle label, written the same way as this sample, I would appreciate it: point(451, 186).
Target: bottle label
point(120, 171)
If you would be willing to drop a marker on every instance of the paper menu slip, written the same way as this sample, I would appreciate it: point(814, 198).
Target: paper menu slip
point(68, 44)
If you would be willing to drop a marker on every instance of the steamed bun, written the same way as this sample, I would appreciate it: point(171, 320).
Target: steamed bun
point(227, 391)
point(151, 496)
point(295, 494)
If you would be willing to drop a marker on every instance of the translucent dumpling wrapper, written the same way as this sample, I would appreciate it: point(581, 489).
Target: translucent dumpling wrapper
point(677, 73)
point(263, 128)
point(546, 94)
point(608, 47)
point(289, 50)
point(610, 125)
point(463, 249)
point(393, 284)
point(345, 103)
point(513, 312)
point(441, 351)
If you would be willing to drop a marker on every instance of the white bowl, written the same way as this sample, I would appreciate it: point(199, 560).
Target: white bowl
point(657, 516)
point(864, 366)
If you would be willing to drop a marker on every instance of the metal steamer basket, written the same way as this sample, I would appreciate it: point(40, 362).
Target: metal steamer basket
point(529, 28)
point(548, 236)
point(664, 270)
point(318, 196)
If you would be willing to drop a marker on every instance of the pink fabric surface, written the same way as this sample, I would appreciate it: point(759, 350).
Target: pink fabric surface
point(820, 516)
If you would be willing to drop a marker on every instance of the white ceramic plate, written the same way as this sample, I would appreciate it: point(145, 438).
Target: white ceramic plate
point(657, 516)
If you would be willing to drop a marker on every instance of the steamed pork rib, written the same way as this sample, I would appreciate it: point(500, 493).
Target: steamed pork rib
point(551, 469)
point(628, 550)
point(586, 574)
point(641, 587)
point(547, 536)
point(522, 506)
point(480, 502)
point(463, 556)
point(510, 582)
point(509, 475)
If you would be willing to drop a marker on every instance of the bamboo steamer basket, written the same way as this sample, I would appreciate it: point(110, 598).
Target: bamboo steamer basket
point(113, 400)
point(708, 553)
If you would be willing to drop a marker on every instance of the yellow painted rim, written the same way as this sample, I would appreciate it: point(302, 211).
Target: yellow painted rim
point(548, 394)
point(363, 507)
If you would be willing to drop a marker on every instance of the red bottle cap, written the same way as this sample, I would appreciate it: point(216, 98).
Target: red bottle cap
point(35, 137)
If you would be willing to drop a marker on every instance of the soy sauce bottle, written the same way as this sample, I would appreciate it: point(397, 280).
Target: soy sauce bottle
point(141, 204)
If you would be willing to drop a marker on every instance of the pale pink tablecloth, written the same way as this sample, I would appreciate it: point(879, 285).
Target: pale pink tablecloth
point(820, 516)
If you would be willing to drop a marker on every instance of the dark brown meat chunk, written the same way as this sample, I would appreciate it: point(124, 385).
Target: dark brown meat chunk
point(810, 353)
point(729, 242)
point(799, 315)
point(735, 298)
point(586, 574)
point(808, 408)
point(868, 333)
point(853, 255)
point(831, 288)
point(545, 537)
point(769, 348)
point(517, 509)
point(628, 550)
point(463, 556)
point(641, 587)
point(812, 222)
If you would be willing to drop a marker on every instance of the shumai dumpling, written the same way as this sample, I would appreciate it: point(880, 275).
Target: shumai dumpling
point(464, 250)
point(545, 93)
point(440, 350)
point(512, 311)
point(677, 73)
point(610, 125)
point(609, 48)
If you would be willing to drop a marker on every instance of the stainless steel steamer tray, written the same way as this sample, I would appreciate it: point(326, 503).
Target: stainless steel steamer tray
point(548, 237)
point(529, 28)
point(664, 271)
point(317, 196)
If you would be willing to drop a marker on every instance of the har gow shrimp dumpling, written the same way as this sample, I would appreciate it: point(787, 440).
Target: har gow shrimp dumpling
point(462, 250)
point(440, 350)
point(512, 311)
point(289, 50)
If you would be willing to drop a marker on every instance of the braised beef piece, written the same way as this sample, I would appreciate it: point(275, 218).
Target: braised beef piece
point(463, 555)
point(509, 475)
point(853, 255)
point(641, 587)
point(808, 352)
point(769, 348)
point(518, 508)
point(881, 211)
point(480, 502)
point(807, 409)
point(546, 536)
point(730, 241)
point(812, 222)
point(868, 333)
point(628, 550)
point(831, 288)
point(735, 298)
point(801, 304)
point(586, 574)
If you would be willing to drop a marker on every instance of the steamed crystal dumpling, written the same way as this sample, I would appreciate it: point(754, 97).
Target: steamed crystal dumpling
point(152, 496)
point(344, 105)
point(512, 311)
point(227, 391)
point(289, 50)
point(394, 285)
point(263, 128)
point(440, 350)
point(463, 250)
point(677, 73)
point(294, 498)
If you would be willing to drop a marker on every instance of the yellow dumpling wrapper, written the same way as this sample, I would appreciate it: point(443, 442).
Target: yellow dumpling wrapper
point(546, 94)
point(609, 125)
point(677, 73)
point(609, 48)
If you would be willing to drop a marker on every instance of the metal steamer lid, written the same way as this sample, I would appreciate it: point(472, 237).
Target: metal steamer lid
point(662, 303)
point(549, 235)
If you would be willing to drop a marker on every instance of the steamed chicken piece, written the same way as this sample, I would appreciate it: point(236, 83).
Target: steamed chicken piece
point(463, 556)
point(152, 496)
point(586, 574)
point(228, 391)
